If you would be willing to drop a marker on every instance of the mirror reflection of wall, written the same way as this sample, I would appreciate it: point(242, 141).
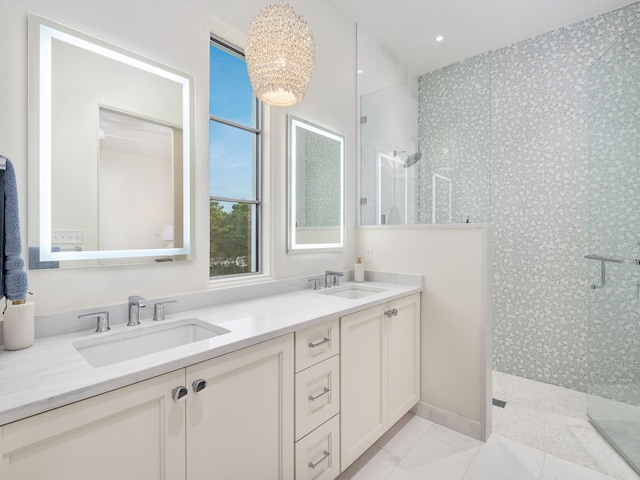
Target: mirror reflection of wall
point(319, 189)
point(136, 171)
point(316, 187)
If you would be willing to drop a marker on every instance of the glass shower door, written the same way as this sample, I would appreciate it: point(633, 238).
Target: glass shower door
point(613, 88)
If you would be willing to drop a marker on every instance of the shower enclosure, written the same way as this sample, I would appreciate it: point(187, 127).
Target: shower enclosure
point(613, 92)
point(425, 148)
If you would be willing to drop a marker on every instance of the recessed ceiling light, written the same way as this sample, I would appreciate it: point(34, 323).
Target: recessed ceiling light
point(439, 38)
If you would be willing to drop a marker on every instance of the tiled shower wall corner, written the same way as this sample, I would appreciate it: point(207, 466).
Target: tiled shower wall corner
point(536, 100)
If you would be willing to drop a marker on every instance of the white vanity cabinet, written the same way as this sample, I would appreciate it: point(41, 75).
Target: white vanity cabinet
point(380, 372)
point(304, 405)
point(317, 402)
point(241, 424)
point(134, 432)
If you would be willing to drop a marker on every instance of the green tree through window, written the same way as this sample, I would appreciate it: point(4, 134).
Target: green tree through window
point(234, 182)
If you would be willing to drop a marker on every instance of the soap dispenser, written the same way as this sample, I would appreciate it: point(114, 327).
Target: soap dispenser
point(358, 270)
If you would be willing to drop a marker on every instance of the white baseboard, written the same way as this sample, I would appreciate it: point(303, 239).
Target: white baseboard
point(450, 420)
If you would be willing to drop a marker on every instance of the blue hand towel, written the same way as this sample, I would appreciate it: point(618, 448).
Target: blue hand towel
point(14, 278)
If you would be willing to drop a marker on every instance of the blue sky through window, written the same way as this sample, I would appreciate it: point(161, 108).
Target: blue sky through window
point(231, 149)
point(229, 88)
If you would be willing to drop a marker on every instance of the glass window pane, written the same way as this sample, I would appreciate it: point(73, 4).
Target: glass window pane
point(232, 245)
point(230, 93)
point(232, 152)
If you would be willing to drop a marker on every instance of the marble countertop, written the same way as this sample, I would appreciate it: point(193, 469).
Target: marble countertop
point(51, 373)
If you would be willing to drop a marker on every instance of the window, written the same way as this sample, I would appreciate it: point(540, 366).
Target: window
point(234, 164)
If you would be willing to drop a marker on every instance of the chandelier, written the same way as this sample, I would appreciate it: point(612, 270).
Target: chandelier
point(280, 54)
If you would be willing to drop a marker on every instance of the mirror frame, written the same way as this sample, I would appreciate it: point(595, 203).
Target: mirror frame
point(293, 246)
point(42, 32)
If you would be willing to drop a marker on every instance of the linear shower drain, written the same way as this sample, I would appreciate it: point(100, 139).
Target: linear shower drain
point(498, 403)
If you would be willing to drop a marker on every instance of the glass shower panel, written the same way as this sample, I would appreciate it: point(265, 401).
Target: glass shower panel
point(613, 93)
point(389, 137)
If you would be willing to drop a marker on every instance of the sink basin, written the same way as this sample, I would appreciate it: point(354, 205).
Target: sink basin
point(118, 347)
point(351, 291)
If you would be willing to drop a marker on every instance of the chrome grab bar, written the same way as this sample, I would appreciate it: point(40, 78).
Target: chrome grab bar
point(603, 268)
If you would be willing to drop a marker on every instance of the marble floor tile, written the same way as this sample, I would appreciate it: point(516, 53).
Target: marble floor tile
point(431, 458)
point(504, 459)
point(405, 434)
point(556, 468)
point(455, 439)
point(374, 464)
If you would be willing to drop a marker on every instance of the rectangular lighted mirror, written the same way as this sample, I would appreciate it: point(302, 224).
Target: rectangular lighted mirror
point(316, 188)
point(110, 152)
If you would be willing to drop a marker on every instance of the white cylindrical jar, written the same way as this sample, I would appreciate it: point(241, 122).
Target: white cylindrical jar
point(18, 329)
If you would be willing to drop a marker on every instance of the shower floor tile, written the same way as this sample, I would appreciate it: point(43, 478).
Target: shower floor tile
point(554, 419)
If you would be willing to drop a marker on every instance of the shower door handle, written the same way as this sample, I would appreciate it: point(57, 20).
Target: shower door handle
point(603, 269)
point(635, 261)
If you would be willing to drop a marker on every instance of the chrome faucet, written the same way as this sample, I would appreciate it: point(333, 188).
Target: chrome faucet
point(336, 278)
point(135, 304)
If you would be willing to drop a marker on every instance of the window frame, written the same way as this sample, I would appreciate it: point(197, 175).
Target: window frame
point(257, 234)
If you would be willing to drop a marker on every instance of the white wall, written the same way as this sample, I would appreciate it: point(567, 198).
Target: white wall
point(177, 33)
point(455, 343)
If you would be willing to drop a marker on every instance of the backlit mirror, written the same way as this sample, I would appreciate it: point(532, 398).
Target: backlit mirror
point(110, 153)
point(316, 188)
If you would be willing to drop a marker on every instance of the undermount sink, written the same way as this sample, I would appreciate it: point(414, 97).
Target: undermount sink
point(351, 291)
point(118, 347)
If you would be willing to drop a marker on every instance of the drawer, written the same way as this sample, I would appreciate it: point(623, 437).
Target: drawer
point(317, 395)
point(317, 343)
point(318, 454)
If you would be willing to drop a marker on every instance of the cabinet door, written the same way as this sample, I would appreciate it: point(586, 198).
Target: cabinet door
point(134, 432)
point(241, 425)
point(362, 409)
point(403, 356)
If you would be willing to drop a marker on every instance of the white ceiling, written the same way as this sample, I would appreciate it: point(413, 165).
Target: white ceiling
point(408, 28)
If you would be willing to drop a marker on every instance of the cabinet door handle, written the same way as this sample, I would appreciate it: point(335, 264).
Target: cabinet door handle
point(199, 385)
point(391, 313)
point(324, 392)
point(322, 342)
point(179, 393)
point(324, 457)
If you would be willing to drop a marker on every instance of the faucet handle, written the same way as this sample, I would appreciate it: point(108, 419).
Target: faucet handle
point(158, 309)
point(102, 320)
point(316, 282)
point(138, 300)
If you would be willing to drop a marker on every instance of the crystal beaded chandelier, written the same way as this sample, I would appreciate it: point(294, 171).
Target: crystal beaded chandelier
point(280, 54)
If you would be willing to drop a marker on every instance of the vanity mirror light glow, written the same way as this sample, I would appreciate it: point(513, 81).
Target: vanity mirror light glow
point(66, 163)
point(316, 188)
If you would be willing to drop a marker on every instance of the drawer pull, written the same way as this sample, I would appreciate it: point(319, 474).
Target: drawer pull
point(325, 456)
point(198, 386)
point(179, 393)
point(324, 392)
point(324, 340)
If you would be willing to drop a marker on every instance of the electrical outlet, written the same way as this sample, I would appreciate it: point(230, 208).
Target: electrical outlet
point(368, 255)
point(66, 237)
